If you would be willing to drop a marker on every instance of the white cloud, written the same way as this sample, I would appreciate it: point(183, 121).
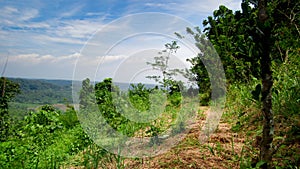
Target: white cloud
point(17, 21)
point(28, 14)
point(95, 14)
point(194, 8)
point(78, 28)
point(159, 5)
point(56, 34)
point(41, 66)
point(12, 16)
point(34, 25)
point(7, 10)
point(34, 58)
point(72, 12)
point(111, 58)
point(55, 39)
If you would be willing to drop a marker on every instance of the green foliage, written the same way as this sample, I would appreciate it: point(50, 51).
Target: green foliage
point(86, 95)
point(175, 98)
point(174, 95)
point(69, 119)
point(235, 36)
point(286, 84)
point(8, 91)
point(161, 63)
point(248, 41)
point(285, 16)
point(206, 66)
point(232, 36)
point(104, 98)
point(287, 108)
point(139, 97)
point(154, 132)
point(40, 125)
point(246, 107)
point(121, 109)
point(137, 111)
point(247, 114)
point(36, 91)
point(41, 141)
point(47, 138)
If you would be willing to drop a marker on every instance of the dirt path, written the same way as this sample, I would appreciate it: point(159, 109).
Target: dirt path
point(220, 151)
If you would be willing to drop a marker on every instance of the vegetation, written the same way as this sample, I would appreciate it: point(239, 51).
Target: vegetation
point(8, 91)
point(41, 92)
point(263, 25)
point(259, 48)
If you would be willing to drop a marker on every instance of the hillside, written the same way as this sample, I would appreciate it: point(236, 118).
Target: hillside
point(39, 91)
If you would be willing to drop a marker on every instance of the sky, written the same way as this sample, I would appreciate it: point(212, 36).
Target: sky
point(71, 39)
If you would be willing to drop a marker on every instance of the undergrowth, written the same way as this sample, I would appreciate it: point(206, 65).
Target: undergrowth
point(243, 110)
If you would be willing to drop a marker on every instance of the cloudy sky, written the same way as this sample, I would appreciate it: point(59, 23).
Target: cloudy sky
point(61, 38)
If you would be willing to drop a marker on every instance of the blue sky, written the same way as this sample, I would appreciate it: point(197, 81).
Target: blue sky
point(44, 39)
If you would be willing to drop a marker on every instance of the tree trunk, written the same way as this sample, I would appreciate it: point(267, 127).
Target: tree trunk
point(266, 150)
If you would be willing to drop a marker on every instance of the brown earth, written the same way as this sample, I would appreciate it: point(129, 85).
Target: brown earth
point(220, 151)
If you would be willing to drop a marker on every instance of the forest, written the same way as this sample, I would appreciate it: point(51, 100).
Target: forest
point(259, 47)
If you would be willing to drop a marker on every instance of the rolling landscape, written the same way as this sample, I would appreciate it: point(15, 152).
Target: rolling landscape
point(238, 106)
point(38, 92)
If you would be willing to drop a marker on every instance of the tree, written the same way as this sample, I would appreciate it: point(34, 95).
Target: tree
point(9, 90)
point(205, 66)
point(225, 33)
point(104, 95)
point(161, 63)
point(264, 44)
point(231, 33)
point(248, 43)
point(278, 27)
point(86, 95)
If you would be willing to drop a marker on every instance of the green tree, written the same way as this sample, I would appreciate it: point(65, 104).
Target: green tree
point(161, 63)
point(236, 36)
point(248, 43)
point(231, 33)
point(86, 95)
point(104, 97)
point(8, 92)
point(204, 61)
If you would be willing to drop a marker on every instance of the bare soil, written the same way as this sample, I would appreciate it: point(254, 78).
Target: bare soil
point(220, 151)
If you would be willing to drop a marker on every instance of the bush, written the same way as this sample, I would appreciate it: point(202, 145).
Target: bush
point(69, 119)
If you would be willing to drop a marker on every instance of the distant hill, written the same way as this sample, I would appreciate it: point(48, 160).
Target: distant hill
point(44, 91)
point(58, 82)
point(40, 91)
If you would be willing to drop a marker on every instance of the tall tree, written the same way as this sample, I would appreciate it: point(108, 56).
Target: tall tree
point(278, 23)
point(8, 91)
point(161, 63)
point(206, 67)
point(86, 94)
point(231, 33)
point(249, 42)
point(264, 44)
